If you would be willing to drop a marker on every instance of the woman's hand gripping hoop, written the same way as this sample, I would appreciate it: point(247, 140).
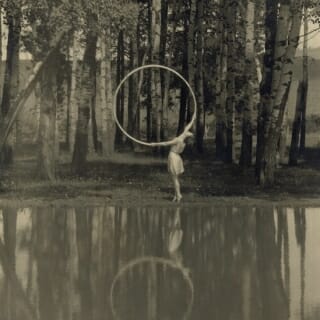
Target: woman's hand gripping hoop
point(151, 144)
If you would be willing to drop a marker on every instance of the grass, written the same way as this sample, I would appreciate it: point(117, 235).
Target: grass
point(144, 181)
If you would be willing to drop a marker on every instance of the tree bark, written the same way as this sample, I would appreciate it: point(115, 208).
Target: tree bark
point(11, 75)
point(7, 122)
point(274, 122)
point(200, 123)
point(231, 8)
point(73, 110)
point(108, 129)
point(296, 128)
point(246, 145)
point(86, 93)
point(183, 90)
point(47, 127)
point(267, 75)
point(220, 89)
point(305, 77)
point(155, 73)
point(120, 98)
point(191, 52)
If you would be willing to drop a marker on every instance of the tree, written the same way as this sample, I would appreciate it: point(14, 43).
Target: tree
point(277, 86)
point(107, 134)
point(230, 14)
point(155, 74)
point(220, 87)
point(87, 92)
point(11, 78)
point(299, 126)
point(47, 128)
point(249, 72)
point(200, 123)
point(46, 20)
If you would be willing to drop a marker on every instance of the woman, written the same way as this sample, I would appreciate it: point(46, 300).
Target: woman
point(175, 163)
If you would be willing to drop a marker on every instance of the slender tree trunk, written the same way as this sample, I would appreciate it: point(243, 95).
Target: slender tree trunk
point(6, 123)
point(273, 123)
point(73, 93)
point(184, 90)
point(93, 111)
point(220, 88)
point(60, 96)
point(246, 145)
point(283, 138)
point(133, 106)
point(267, 75)
point(46, 168)
point(155, 73)
point(191, 52)
point(86, 93)
point(1, 54)
point(68, 103)
point(11, 75)
point(200, 123)
point(167, 77)
point(231, 65)
point(108, 129)
point(296, 128)
point(120, 75)
point(305, 81)
point(149, 117)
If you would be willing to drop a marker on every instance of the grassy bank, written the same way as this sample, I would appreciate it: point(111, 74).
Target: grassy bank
point(144, 180)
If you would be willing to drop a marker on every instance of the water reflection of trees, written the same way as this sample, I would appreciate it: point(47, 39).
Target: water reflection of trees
point(69, 257)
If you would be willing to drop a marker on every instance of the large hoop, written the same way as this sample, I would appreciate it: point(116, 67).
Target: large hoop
point(148, 66)
point(157, 260)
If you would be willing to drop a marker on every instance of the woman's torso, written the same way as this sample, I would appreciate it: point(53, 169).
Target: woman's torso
point(178, 147)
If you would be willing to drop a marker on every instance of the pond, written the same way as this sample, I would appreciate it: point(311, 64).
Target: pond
point(219, 262)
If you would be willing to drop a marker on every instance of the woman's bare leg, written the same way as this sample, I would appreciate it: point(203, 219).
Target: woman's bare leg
point(177, 193)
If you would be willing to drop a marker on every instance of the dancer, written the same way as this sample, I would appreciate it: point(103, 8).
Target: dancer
point(175, 163)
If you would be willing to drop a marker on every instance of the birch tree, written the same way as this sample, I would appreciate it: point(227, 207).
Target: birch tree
point(46, 166)
point(106, 94)
point(155, 73)
point(86, 93)
point(246, 145)
point(298, 126)
point(200, 123)
point(287, 36)
point(230, 12)
point(11, 74)
point(220, 87)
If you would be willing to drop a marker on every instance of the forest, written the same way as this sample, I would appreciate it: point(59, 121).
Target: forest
point(237, 56)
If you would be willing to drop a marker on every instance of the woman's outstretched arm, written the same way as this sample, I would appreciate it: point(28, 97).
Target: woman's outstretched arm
point(164, 144)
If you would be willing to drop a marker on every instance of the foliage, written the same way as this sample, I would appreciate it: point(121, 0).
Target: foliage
point(44, 19)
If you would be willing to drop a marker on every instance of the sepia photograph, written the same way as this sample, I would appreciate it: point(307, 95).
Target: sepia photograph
point(159, 159)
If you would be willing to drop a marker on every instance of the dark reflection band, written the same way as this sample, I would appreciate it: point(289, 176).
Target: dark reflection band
point(157, 260)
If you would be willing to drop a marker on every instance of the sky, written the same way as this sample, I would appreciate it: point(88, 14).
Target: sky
point(313, 37)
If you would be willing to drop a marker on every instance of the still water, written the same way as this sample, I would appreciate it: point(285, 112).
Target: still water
point(96, 263)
